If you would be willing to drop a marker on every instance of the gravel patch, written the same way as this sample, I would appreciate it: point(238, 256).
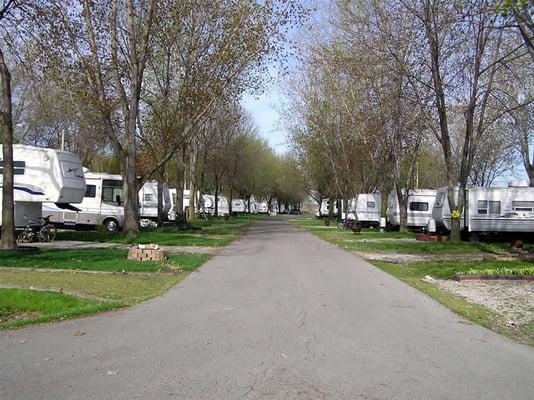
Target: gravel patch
point(399, 258)
point(514, 300)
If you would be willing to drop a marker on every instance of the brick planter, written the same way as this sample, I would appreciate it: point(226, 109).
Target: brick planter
point(425, 237)
point(149, 252)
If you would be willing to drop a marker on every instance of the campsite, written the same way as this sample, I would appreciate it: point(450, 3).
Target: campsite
point(266, 199)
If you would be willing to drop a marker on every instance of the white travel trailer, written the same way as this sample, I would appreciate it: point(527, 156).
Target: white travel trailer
point(325, 204)
point(420, 204)
point(263, 207)
point(148, 201)
point(43, 175)
point(208, 205)
point(172, 211)
point(253, 206)
point(173, 193)
point(102, 204)
point(238, 206)
point(367, 207)
point(490, 209)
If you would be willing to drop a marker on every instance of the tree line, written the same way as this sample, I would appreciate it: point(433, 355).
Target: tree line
point(395, 94)
point(149, 87)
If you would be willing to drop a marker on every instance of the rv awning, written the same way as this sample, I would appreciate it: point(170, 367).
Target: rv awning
point(67, 206)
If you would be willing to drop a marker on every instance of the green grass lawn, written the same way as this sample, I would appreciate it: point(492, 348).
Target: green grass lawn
point(20, 307)
point(212, 232)
point(78, 285)
point(124, 290)
point(374, 240)
point(111, 260)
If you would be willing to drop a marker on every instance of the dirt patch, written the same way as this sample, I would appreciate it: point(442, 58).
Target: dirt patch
point(399, 258)
point(10, 316)
point(75, 244)
point(514, 300)
point(383, 240)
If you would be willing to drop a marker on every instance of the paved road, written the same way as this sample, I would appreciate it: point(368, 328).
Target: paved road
point(278, 314)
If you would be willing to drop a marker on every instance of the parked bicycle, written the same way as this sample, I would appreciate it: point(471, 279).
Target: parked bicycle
point(41, 230)
point(352, 224)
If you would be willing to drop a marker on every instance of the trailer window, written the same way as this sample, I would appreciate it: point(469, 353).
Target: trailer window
point(488, 207)
point(18, 167)
point(90, 191)
point(371, 204)
point(523, 206)
point(418, 206)
point(112, 192)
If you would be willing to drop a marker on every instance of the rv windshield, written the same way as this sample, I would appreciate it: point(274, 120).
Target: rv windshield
point(112, 192)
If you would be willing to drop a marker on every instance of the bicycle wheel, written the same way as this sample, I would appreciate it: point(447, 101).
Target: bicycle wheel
point(47, 233)
point(23, 237)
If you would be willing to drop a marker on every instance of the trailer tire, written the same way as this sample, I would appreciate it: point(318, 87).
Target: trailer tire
point(111, 225)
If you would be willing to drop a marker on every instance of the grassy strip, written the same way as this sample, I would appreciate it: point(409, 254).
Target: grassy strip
point(212, 232)
point(112, 260)
point(373, 240)
point(124, 289)
point(412, 274)
point(19, 307)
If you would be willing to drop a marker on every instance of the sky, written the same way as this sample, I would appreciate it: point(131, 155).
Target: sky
point(265, 110)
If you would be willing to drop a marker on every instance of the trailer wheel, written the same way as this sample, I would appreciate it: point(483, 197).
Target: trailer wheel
point(111, 225)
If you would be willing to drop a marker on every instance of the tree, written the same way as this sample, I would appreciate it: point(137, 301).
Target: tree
point(518, 15)
point(462, 52)
point(205, 53)
point(106, 45)
point(11, 15)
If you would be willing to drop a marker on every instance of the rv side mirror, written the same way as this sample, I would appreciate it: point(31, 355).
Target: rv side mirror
point(118, 200)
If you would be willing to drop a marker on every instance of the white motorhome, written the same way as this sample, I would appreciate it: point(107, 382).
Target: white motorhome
point(148, 201)
point(420, 204)
point(102, 204)
point(490, 209)
point(367, 207)
point(43, 175)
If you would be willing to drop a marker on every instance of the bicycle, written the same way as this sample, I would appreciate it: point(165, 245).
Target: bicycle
point(41, 230)
point(352, 224)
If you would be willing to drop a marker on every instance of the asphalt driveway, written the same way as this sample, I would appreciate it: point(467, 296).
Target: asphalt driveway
point(278, 314)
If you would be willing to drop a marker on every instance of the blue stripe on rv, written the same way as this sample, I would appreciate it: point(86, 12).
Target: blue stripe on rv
point(27, 190)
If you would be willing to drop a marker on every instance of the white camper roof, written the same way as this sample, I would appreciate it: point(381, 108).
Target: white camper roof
point(102, 175)
point(47, 175)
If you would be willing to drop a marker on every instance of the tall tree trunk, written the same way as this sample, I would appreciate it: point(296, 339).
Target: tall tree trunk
point(402, 199)
point(216, 205)
point(192, 186)
point(179, 184)
point(230, 197)
point(131, 201)
point(161, 215)
point(8, 241)
point(330, 208)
